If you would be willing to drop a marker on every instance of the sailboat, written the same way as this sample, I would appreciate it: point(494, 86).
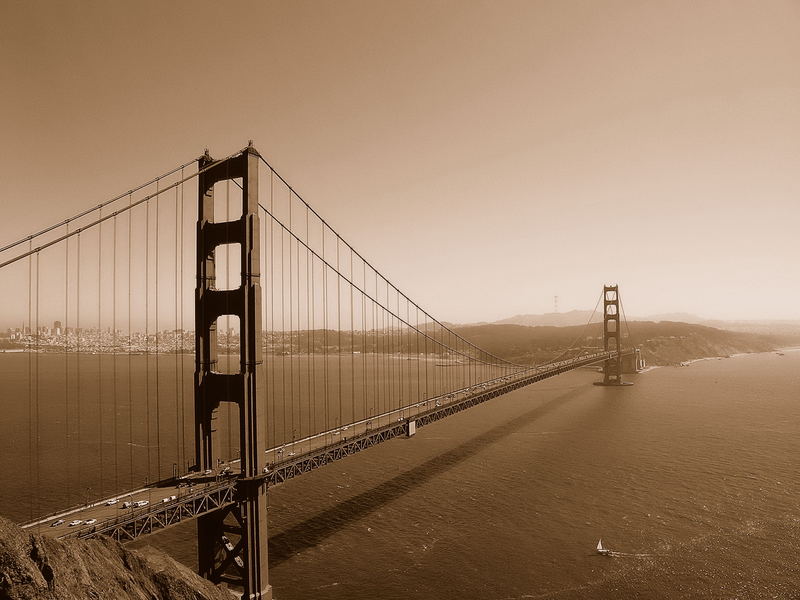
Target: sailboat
point(601, 550)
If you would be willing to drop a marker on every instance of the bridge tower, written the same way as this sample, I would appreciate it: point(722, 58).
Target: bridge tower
point(612, 368)
point(246, 520)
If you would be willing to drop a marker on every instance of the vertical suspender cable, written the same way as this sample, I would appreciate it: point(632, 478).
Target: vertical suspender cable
point(325, 331)
point(78, 335)
point(273, 362)
point(158, 349)
point(36, 396)
point(388, 350)
point(339, 326)
point(176, 333)
point(130, 348)
point(100, 349)
point(352, 348)
point(364, 337)
point(399, 371)
point(426, 352)
point(178, 327)
point(312, 401)
point(375, 363)
point(291, 322)
point(297, 347)
point(30, 381)
point(298, 337)
point(147, 328)
point(66, 368)
point(416, 349)
point(115, 416)
point(283, 340)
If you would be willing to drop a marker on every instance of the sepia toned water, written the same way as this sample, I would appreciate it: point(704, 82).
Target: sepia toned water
point(695, 467)
point(691, 475)
point(82, 427)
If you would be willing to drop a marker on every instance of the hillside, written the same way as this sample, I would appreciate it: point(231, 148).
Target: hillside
point(662, 343)
point(777, 327)
point(566, 319)
point(35, 567)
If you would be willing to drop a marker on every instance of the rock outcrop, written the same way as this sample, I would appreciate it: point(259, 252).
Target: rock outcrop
point(33, 566)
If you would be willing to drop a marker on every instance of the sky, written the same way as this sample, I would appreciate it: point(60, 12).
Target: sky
point(485, 156)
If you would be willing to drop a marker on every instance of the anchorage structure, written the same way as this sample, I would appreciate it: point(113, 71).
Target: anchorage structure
point(245, 520)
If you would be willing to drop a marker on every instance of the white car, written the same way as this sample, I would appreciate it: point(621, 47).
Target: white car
point(169, 499)
point(75, 523)
point(141, 503)
point(111, 502)
point(90, 522)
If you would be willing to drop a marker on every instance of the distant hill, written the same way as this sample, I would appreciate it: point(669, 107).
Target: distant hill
point(573, 317)
point(679, 317)
point(662, 343)
point(580, 317)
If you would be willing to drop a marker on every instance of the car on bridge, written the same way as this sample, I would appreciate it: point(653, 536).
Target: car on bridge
point(90, 522)
point(75, 523)
point(111, 502)
point(57, 523)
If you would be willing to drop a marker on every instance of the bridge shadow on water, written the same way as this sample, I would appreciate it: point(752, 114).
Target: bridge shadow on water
point(314, 530)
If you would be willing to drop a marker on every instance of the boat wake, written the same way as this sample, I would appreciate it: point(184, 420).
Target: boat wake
point(627, 554)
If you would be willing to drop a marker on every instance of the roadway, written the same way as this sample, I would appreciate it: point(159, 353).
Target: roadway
point(163, 495)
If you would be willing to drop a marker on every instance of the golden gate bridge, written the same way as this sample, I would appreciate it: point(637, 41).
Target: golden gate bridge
point(188, 344)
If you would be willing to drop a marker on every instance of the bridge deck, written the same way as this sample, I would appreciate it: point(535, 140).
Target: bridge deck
point(186, 499)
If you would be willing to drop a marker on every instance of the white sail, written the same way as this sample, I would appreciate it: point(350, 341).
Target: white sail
point(600, 545)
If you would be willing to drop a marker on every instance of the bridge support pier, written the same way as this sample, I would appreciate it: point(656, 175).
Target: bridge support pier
point(612, 367)
point(241, 558)
point(632, 362)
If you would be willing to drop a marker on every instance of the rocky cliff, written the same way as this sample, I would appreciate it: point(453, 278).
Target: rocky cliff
point(32, 566)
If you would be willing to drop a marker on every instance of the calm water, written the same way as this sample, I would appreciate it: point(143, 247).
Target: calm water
point(696, 467)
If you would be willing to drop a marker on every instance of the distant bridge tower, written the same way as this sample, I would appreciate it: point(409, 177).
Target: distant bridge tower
point(245, 521)
point(612, 368)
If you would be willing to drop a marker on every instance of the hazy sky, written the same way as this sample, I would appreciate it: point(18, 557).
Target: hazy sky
point(485, 156)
